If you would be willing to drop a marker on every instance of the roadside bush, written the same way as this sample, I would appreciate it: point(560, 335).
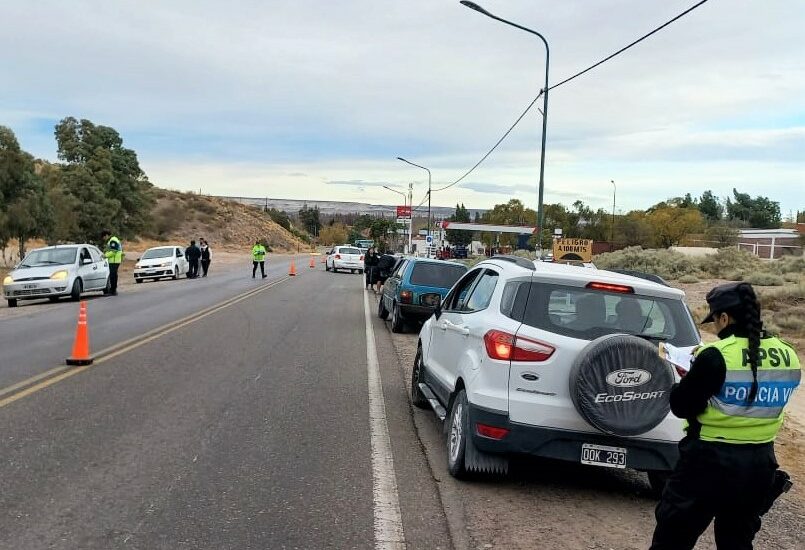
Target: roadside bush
point(168, 219)
point(734, 276)
point(792, 295)
point(665, 263)
point(202, 205)
point(764, 279)
point(793, 277)
point(688, 279)
point(729, 260)
point(791, 264)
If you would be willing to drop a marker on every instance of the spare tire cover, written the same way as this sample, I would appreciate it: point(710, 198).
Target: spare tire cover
point(620, 385)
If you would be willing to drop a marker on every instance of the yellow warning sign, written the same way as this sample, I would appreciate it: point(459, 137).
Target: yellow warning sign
point(572, 249)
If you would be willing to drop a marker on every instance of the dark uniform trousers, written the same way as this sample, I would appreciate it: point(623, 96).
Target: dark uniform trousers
point(721, 481)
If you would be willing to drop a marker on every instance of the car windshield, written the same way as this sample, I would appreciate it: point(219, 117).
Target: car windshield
point(441, 275)
point(157, 253)
point(589, 314)
point(349, 251)
point(50, 256)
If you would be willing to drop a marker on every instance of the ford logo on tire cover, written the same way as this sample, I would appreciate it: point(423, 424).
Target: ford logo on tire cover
point(628, 378)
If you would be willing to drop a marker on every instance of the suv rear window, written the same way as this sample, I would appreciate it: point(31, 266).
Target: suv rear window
point(589, 314)
point(356, 251)
point(438, 275)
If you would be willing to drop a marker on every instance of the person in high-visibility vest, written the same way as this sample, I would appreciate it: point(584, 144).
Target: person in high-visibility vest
point(733, 399)
point(259, 258)
point(113, 252)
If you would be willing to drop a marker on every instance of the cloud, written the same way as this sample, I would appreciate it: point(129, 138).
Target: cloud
point(361, 183)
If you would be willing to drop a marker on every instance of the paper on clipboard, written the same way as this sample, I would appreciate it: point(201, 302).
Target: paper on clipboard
point(680, 357)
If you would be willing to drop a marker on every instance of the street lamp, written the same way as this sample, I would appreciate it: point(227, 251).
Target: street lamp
point(540, 209)
point(429, 182)
point(405, 203)
point(612, 231)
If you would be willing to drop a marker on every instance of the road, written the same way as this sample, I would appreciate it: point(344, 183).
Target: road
point(279, 420)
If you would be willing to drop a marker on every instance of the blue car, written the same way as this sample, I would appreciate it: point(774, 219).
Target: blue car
point(415, 288)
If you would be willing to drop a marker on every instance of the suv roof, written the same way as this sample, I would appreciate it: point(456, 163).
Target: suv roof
point(580, 275)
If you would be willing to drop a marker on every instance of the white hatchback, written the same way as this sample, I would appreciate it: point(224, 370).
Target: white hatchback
point(160, 262)
point(555, 361)
point(343, 258)
point(55, 271)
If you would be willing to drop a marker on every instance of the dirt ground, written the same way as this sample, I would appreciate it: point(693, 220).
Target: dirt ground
point(551, 504)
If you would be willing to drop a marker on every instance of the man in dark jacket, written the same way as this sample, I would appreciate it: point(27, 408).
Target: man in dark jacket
point(384, 267)
point(193, 255)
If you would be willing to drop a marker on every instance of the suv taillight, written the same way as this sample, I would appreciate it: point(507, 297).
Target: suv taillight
point(361, 258)
point(406, 296)
point(610, 287)
point(508, 347)
point(338, 256)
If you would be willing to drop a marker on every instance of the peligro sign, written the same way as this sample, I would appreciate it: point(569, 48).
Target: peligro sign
point(627, 378)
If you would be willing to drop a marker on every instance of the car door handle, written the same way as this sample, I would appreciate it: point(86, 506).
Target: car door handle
point(442, 325)
point(461, 329)
point(94, 267)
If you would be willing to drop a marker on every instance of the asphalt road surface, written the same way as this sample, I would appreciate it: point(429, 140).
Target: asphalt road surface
point(277, 420)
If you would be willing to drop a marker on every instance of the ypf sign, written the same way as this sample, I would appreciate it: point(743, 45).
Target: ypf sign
point(572, 249)
point(404, 212)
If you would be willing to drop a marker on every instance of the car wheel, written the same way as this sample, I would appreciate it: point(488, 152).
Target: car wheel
point(657, 480)
point(53, 298)
point(397, 323)
point(75, 293)
point(457, 436)
point(352, 271)
point(12, 302)
point(138, 281)
point(326, 266)
point(107, 289)
point(360, 271)
point(175, 273)
point(417, 397)
point(382, 312)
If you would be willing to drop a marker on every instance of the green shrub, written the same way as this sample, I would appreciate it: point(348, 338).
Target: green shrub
point(728, 260)
point(734, 276)
point(791, 264)
point(761, 278)
point(786, 296)
point(665, 263)
point(793, 277)
point(688, 279)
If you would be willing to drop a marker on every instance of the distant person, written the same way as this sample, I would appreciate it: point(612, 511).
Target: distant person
point(259, 258)
point(370, 266)
point(206, 257)
point(384, 266)
point(113, 252)
point(193, 255)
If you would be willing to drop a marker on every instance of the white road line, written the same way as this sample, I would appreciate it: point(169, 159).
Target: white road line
point(387, 518)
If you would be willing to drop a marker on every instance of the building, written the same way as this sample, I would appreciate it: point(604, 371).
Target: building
point(770, 243)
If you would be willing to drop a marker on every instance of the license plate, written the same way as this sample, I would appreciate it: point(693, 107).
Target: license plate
point(431, 299)
point(30, 287)
point(601, 455)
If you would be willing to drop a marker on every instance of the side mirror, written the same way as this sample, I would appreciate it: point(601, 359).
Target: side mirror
point(137, 260)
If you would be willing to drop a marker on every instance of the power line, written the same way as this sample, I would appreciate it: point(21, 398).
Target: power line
point(565, 81)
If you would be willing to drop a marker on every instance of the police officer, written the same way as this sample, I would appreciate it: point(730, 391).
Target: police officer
point(258, 257)
point(733, 400)
point(113, 252)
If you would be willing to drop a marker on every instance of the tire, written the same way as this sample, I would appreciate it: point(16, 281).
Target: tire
point(605, 377)
point(457, 432)
point(382, 312)
point(175, 273)
point(138, 281)
point(107, 289)
point(12, 302)
point(657, 480)
point(326, 266)
point(417, 397)
point(53, 299)
point(397, 323)
point(75, 293)
point(360, 271)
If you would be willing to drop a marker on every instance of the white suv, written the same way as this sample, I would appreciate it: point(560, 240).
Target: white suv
point(344, 257)
point(556, 361)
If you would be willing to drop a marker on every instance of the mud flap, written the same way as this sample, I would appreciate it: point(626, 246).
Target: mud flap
point(479, 462)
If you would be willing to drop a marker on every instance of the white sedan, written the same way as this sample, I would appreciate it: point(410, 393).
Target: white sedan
point(159, 262)
point(344, 257)
point(55, 271)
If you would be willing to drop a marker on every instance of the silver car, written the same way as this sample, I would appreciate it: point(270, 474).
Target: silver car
point(55, 271)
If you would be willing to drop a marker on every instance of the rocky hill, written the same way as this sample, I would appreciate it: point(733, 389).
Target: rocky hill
point(179, 217)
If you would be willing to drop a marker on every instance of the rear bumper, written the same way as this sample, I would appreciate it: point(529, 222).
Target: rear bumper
point(416, 312)
point(340, 264)
point(642, 454)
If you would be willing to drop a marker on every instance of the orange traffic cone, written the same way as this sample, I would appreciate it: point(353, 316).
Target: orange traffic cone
point(312, 263)
point(292, 272)
point(80, 355)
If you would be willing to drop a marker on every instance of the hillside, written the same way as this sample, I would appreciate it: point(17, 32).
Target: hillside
point(179, 217)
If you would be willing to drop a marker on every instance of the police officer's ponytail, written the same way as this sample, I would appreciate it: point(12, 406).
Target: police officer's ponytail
point(748, 317)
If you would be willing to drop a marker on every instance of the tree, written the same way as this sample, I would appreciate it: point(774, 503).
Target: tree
point(309, 218)
point(513, 212)
point(759, 212)
point(460, 237)
point(633, 230)
point(110, 188)
point(670, 224)
point(280, 218)
point(722, 235)
point(336, 233)
point(710, 207)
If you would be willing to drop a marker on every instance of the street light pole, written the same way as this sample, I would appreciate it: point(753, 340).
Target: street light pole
point(405, 203)
point(429, 187)
point(540, 209)
point(612, 231)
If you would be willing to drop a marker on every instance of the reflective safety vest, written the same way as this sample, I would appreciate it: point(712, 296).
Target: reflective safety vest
point(114, 251)
point(730, 417)
point(258, 253)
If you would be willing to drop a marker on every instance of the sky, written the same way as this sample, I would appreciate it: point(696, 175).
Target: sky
point(315, 99)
